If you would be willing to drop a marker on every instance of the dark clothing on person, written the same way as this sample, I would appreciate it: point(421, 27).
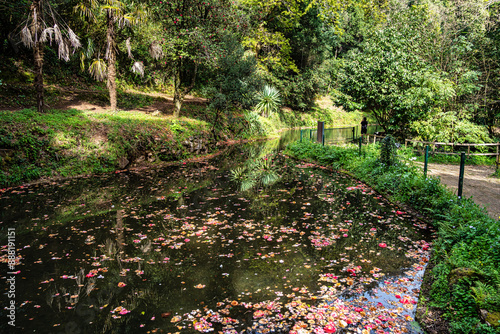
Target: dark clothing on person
point(364, 127)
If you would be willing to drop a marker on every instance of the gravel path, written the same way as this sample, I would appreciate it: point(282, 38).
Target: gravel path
point(478, 184)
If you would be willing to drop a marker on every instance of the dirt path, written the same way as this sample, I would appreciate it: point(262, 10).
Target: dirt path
point(478, 184)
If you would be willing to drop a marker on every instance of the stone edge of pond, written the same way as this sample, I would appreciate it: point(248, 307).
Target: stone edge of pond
point(430, 318)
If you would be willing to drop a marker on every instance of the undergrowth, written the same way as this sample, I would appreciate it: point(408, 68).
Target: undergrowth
point(72, 142)
point(466, 277)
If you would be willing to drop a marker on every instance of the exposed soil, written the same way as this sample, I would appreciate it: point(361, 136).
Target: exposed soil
point(478, 184)
point(19, 96)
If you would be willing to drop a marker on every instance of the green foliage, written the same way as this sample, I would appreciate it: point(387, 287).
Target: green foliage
point(234, 81)
point(388, 151)
point(389, 79)
point(449, 128)
point(268, 101)
point(301, 90)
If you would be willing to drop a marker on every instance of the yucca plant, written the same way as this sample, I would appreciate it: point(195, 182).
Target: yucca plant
point(259, 173)
point(269, 100)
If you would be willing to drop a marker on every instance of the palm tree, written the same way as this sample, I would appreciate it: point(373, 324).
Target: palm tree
point(117, 17)
point(44, 25)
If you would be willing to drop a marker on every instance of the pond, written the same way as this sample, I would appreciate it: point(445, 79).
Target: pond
point(250, 241)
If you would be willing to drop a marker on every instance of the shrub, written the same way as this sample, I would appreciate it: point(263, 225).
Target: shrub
point(388, 151)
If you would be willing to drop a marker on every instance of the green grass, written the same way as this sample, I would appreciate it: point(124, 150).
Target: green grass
point(72, 142)
point(466, 275)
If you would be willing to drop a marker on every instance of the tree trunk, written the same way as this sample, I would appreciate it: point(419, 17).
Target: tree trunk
point(180, 93)
point(178, 97)
point(111, 57)
point(37, 53)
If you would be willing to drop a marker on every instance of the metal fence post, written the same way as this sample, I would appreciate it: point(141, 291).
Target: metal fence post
point(301, 135)
point(353, 134)
point(461, 175)
point(360, 142)
point(498, 155)
point(323, 138)
point(310, 134)
point(426, 160)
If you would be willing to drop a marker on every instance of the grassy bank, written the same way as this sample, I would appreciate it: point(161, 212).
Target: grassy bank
point(464, 283)
point(72, 142)
point(64, 143)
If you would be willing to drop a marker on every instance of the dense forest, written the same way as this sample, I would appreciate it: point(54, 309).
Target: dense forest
point(428, 69)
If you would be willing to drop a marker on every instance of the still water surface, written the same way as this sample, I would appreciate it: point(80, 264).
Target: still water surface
point(250, 241)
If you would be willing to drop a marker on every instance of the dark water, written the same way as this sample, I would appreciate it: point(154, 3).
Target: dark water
point(250, 241)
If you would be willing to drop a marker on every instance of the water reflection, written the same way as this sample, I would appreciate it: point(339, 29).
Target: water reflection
point(183, 248)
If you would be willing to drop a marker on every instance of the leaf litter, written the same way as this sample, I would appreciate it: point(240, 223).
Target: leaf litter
point(183, 250)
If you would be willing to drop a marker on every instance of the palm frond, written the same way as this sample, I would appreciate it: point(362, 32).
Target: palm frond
point(63, 51)
point(86, 11)
point(98, 69)
point(58, 35)
point(138, 68)
point(129, 48)
point(155, 50)
point(26, 37)
point(47, 35)
point(140, 13)
point(247, 184)
point(269, 178)
point(238, 173)
point(74, 39)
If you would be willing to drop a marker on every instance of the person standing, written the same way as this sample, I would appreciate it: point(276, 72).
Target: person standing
point(364, 126)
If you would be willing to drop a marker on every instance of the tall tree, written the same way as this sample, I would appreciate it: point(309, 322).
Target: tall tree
point(389, 76)
point(193, 34)
point(43, 25)
point(117, 15)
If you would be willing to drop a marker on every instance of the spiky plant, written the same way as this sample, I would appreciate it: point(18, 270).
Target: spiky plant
point(98, 69)
point(257, 173)
point(269, 100)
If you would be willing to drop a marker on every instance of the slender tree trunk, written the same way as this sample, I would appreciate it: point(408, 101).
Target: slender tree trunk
point(37, 53)
point(178, 97)
point(180, 93)
point(111, 57)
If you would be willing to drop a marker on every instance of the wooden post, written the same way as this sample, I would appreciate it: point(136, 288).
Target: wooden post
point(320, 131)
point(468, 150)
